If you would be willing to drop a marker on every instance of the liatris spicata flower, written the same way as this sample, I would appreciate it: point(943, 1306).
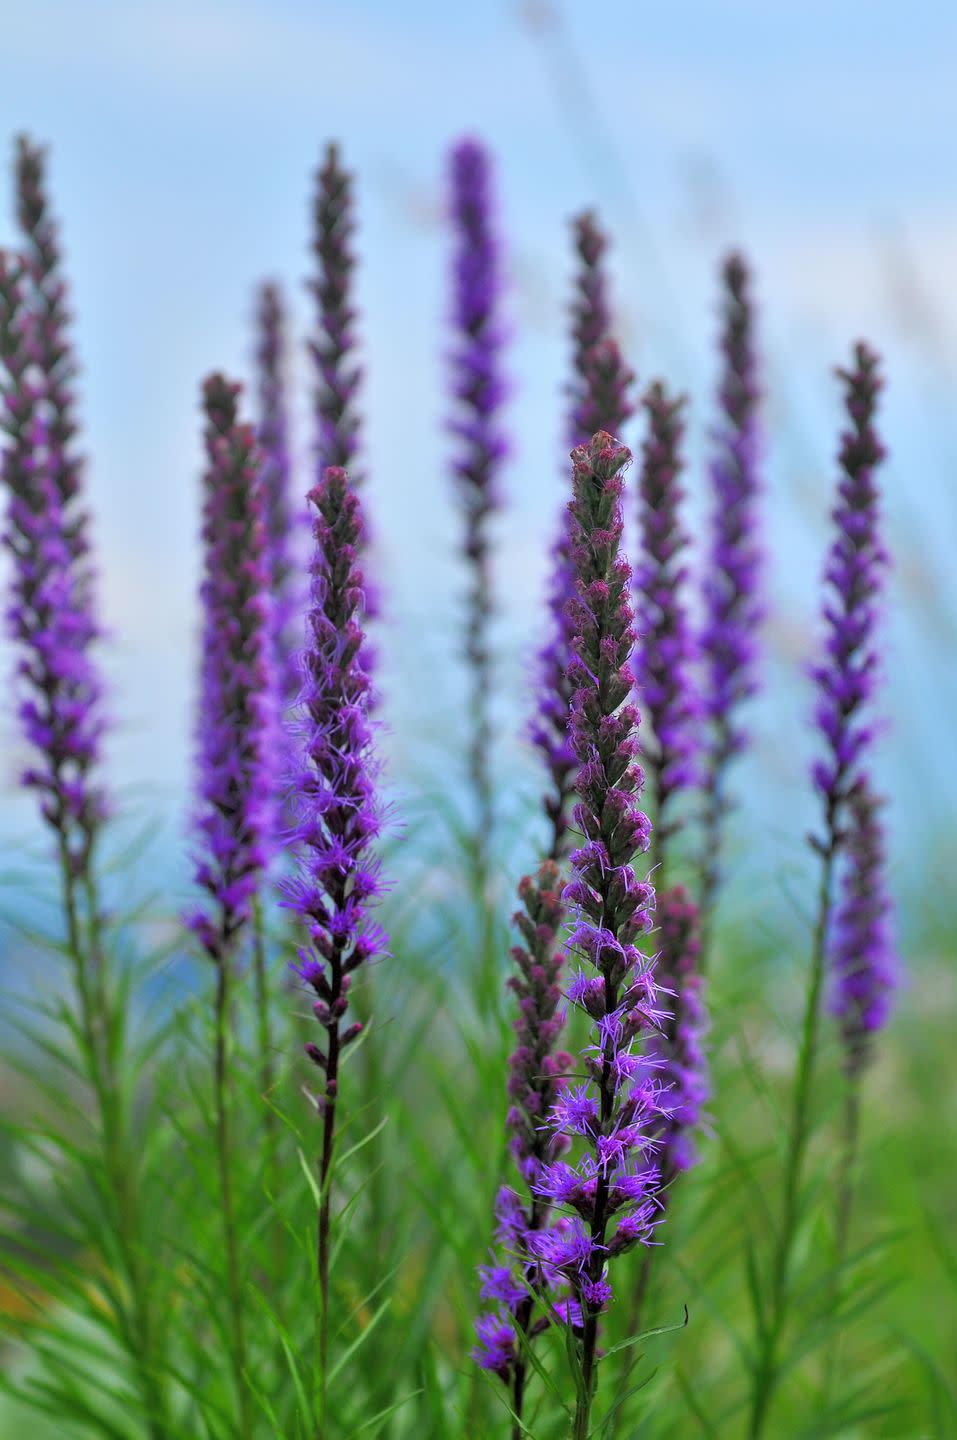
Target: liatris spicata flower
point(280, 517)
point(536, 1070)
point(50, 345)
point(50, 616)
point(845, 682)
point(614, 1185)
point(341, 817)
point(591, 323)
point(863, 955)
point(479, 391)
point(680, 1046)
point(846, 677)
point(334, 348)
point(732, 591)
point(600, 400)
point(234, 817)
point(665, 653)
point(235, 781)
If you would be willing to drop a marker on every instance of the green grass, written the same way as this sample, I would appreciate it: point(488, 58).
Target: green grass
point(421, 1154)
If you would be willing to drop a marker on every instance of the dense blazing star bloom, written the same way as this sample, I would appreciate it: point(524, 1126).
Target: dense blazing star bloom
point(536, 1071)
point(479, 391)
point(338, 880)
point(281, 520)
point(864, 963)
point(50, 344)
point(732, 582)
point(856, 562)
point(599, 399)
point(334, 347)
point(733, 600)
point(612, 908)
point(235, 780)
point(680, 1044)
point(665, 654)
point(50, 616)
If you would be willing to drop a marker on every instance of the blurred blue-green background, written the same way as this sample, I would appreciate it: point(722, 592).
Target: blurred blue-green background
point(818, 137)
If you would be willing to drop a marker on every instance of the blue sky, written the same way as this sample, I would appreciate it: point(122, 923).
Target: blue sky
point(819, 136)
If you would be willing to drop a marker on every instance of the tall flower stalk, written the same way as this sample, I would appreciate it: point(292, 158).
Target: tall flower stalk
point(845, 679)
point(599, 394)
point(52, 620)
point(611, 1190)
point(732, 583)
point(478, 394)
point(281, 524)
point(665, 655)
point(234, 819)
point(338, 881)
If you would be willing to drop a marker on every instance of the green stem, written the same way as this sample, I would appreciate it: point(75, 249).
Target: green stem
point(766, 1368)
point(89, 975)
point(845, 1198)
point(224, 1157)
point(267, 1072)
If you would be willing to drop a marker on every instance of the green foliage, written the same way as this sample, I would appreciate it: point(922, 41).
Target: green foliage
point(420, 1154)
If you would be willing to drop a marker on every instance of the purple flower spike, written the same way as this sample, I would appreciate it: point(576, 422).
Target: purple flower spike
point(479, 391)
point(613, 908)
point(50, 344)
point(281, 521)
point(234, 820)
point(536, 1083)
point(599, 397)
point(732, 584)
point(338, 879)
point(853, 576)
point(50, 616)
point(665, 653)
point(864, 959)
point(680, 1046)
point(334, 349)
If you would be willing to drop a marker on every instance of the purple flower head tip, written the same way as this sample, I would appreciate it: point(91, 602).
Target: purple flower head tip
point(339, 376)
point(280, 520)
point(733, 603)
point(853, 576)
point(479, 391)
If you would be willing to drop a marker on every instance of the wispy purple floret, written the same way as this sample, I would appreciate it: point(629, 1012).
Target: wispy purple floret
point(280, 517)
point(479, 391)
point(613, 908)
point(51, 614)
point(680, 1044)
point(864, 962)
point(665, 655)
point(733, 600)
point(853, 578)
point(334, 346)
point(599, 399)
point(235, 780)
point(340, 815)
point(535, 1084)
